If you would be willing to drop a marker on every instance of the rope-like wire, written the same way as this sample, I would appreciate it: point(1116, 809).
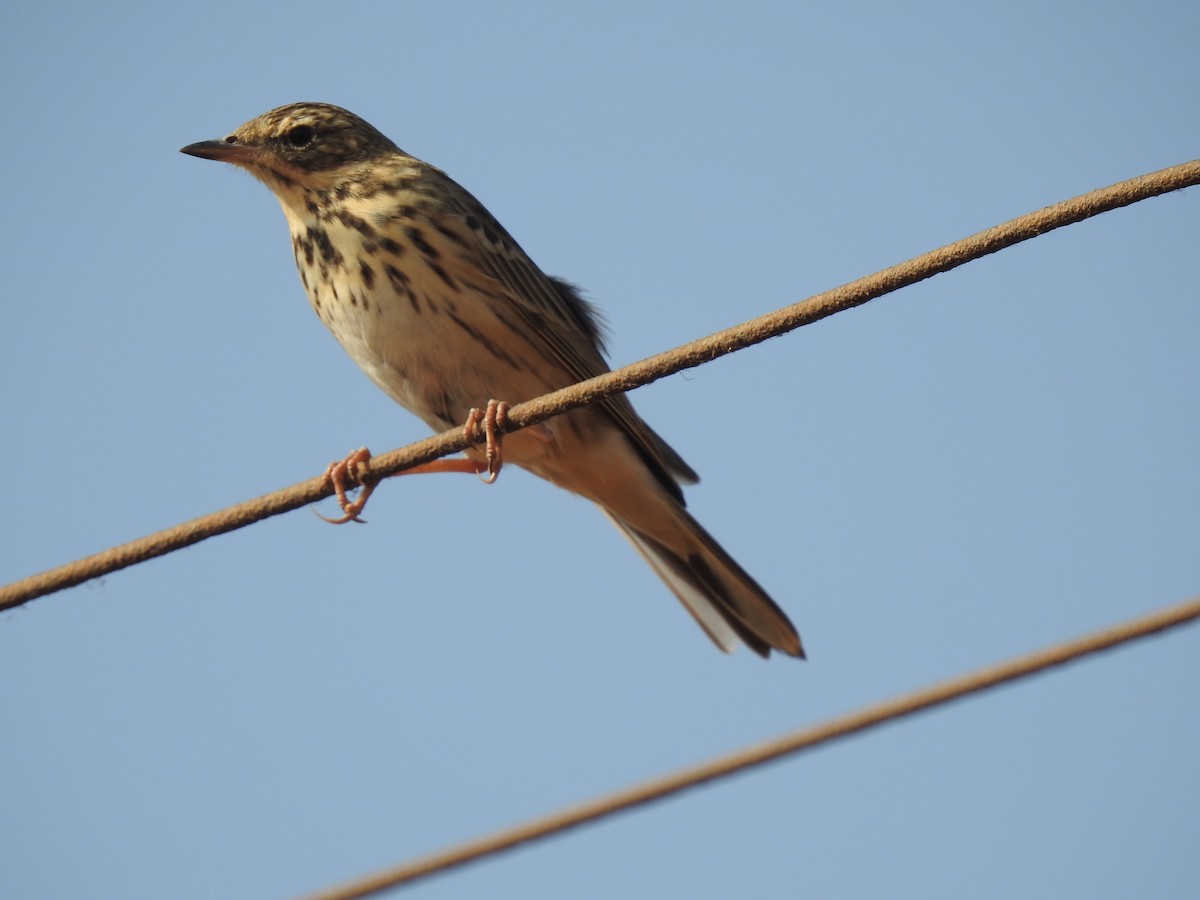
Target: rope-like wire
point(626, 378)
point(804, 739)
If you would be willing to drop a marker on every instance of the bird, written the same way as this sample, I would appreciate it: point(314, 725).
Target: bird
point(444, 311)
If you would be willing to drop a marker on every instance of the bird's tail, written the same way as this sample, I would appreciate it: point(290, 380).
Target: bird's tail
point(726, 602)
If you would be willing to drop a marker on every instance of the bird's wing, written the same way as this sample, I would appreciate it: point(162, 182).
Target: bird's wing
point(565, 325)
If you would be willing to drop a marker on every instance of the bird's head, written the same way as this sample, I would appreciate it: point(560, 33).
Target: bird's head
point(304, 143)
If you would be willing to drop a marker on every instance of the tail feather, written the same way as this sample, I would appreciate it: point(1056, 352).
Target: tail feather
point(723, 599)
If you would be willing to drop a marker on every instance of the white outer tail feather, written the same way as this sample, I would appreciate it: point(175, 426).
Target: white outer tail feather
point(706, 615)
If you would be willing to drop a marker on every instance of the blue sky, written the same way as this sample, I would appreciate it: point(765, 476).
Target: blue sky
point(975, 467)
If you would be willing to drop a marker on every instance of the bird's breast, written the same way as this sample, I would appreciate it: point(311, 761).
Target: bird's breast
point(435, 347)
point(414, 310)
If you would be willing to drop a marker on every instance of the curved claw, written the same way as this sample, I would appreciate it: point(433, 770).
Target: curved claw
point(341, 520)
point(357, 465)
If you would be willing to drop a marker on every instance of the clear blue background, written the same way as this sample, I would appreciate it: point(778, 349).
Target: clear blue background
point(978, 466)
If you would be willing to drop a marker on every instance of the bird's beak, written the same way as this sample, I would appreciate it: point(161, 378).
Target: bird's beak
point(222, 150)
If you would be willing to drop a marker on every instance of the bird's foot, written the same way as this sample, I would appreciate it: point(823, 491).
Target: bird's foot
point(492, 420)
point(357, 465)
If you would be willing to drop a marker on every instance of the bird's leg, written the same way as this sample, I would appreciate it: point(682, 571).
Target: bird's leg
point(357, 465)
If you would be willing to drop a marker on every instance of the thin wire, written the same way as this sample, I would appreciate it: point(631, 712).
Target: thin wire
point(804, 739)
point(626, 378)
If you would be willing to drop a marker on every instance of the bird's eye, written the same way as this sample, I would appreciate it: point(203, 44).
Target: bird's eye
point(299, 136)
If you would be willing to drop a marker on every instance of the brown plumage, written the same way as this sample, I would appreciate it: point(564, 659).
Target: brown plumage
point(443, 310)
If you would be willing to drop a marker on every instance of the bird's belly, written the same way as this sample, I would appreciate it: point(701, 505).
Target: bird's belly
point(397, 349)
point(421, 370)
point(439, 352)
point(436, 356)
